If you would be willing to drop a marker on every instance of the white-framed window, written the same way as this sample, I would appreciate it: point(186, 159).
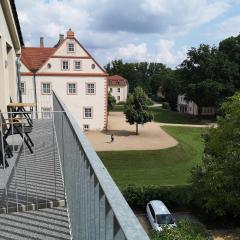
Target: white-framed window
point(65, 65)
point(118, 90)
point(87, 112)
point(72, 88)
point(23, 88)
point(86, 127)
point(90, 88)
point(77, 65)
point(118, 98)
point(110, 89)
point(70, 47)
point(46, 88)
point(46, 112)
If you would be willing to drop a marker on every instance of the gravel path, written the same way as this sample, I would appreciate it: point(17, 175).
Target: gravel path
point(151, 136)
point(190, 125)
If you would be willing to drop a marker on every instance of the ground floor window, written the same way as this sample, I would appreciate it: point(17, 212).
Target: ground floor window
point(87, 112)
point(118, 98)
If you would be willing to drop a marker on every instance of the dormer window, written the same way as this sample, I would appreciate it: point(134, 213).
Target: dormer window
point(70, 47)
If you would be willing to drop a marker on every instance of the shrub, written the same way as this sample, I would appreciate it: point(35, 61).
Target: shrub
point(121, 103)
point(185, 230)
point(158, 99)
point(150, 102)
point(216, 182)
point(165, 105)
point(172, 196)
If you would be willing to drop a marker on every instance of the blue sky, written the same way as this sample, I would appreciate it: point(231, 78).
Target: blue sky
point(133, 30)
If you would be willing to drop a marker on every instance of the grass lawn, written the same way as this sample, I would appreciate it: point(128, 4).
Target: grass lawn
point(117, 108)
point(167, 116)
point(157, 167)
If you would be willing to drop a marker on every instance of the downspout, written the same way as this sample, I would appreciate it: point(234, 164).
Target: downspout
point(18, 65)
point(35, 91)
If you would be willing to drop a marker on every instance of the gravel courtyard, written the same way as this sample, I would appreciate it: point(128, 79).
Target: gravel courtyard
point(151, 136)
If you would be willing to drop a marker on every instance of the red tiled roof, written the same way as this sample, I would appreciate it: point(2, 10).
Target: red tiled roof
point(117, 80)
point(35, 57)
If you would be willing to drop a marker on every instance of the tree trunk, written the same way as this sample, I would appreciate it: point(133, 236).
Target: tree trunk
point(136, 128)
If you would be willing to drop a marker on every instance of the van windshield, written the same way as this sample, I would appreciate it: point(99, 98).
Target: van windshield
point(164, 219)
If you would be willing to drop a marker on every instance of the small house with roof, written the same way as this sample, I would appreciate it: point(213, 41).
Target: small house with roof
point(118, 87)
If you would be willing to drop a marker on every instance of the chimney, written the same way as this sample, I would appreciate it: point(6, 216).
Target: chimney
point(61, 38)
point(70, 33)
point(42, 42)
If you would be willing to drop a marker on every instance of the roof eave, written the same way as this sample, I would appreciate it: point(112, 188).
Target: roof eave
point(11, 16)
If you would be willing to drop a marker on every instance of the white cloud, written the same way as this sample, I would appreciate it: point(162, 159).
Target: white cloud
point(166, 53)
point(229, 27)
point(122, 29)
point(182, 16)
point(133, 52)
point(226, 28)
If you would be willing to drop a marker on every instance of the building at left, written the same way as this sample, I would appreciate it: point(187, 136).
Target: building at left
point(11, 42)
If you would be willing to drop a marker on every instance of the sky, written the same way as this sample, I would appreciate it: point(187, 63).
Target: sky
point(132, 30)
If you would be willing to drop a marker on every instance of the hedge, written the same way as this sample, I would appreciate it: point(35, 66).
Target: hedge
point(173, 196)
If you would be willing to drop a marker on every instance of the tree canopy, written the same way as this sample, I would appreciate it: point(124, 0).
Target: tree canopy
point(142, 74)
point(136, 108)
point(207, 76)
point(216, 183)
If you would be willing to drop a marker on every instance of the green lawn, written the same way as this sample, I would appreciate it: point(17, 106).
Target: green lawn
point(167, 116)
point(117, 108)
point(157, 167)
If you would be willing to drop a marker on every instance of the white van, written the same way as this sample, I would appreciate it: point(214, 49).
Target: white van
point(159, 216)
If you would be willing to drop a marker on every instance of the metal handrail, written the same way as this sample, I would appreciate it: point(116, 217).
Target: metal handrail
point(123, 222)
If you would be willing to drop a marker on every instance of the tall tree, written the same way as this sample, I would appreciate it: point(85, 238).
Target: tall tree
point(142, 74)
point(111, 101)
point(206, 76)
point(136, 108)
point(170, 88)
point(216, 183)
point(230, 47)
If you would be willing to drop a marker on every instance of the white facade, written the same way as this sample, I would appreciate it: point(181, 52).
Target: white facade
point(10, 46)
point(76, 78)
point(192, 108)
point(119, 92)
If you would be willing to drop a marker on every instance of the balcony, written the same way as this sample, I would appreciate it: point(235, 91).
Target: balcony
point(61, 190)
